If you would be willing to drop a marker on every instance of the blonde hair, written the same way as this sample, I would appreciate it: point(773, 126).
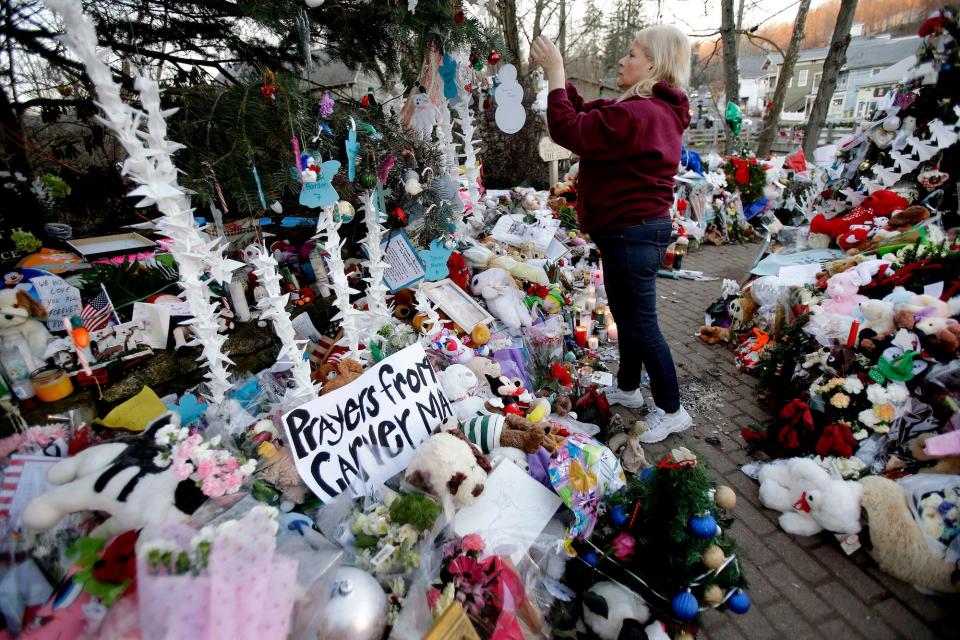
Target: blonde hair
point(669, 50)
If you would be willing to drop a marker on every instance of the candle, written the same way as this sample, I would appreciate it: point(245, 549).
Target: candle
point(612, 332)
point(580, 333)
point(585, 374)
point(600, 314)
point(591, 290)
point(591, 303)
point(593, 342)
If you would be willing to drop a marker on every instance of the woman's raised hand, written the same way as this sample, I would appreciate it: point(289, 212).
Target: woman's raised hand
point(544, 53)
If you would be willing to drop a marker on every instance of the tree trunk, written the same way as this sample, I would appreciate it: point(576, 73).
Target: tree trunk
point(507, 10)
point(772, 118)
point(836, 58)
point(731, 75)
point(562, 39)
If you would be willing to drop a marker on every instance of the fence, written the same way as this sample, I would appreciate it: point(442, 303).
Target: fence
point(786, 140)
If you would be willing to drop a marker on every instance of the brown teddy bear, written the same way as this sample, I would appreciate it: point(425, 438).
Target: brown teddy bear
point(894, 540)
point(714, 335)
point(903, 220)
point(345, 372)
point(949, 465)
point(491, 431)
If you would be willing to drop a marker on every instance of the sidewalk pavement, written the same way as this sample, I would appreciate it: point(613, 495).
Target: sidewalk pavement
point(801, 587)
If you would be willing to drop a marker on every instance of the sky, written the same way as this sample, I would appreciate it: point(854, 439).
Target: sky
point(703, 16)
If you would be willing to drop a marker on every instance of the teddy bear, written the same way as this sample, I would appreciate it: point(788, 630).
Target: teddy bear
point(842, 289)
point(459, 385)
point(98, 479)
point(344, 372)
point(884, 202)
point(902, 220)
point(949, 465)
point(487, 370)
point(404, 305)
point(449, 467)
point(742, 311)
point(942, 336)
point(894, 540)
point(619, 605)
point(878, 318)
point(492, 431)
point(447, 343)
point(714, 335)
point(21, 323)
point(823, 229)
point(809, 499)
point(503, 299)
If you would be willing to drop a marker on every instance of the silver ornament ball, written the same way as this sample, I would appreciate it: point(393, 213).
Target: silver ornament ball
point(353, 607)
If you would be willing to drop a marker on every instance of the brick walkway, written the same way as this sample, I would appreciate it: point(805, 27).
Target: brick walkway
point(800, 587)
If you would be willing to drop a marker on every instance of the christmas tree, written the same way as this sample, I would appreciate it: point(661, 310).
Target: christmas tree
point(664, 537)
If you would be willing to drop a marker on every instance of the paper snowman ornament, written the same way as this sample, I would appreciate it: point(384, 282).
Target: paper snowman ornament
point(425, 114)
point(510, 114)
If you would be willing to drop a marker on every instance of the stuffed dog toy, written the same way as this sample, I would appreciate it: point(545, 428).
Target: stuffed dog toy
point(21, 319)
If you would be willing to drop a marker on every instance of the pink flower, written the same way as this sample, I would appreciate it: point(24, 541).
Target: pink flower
point(183, 451)
point(232, 482)
point(182, 469)
point(433, 595)
point(624, 546)
point(231, 464)
point(213, 487)
point(195, 439)
point(206, 469)
point(472, 542)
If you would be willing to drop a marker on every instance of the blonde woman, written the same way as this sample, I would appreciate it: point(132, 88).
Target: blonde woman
point(629, 152)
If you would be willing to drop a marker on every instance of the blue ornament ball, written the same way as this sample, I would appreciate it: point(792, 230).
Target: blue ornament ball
point(703, 526)
point(739, 602)
point(647, 473)
point(685, 606)
point(591, 558)
point(618, 515)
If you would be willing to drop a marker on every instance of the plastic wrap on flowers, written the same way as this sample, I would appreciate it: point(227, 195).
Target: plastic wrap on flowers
point(225, 581)
point(935, 503)
point(582, 472)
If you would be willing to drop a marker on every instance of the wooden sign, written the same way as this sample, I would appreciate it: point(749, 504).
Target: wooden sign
point(550, 151)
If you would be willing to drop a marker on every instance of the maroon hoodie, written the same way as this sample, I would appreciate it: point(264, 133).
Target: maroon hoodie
point(629, 152)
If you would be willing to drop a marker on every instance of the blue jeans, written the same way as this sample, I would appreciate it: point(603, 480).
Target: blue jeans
point(631, 258)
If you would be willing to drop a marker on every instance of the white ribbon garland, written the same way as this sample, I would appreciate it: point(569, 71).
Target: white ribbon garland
point(328, 234)
point(273, 307)
point(378, 311)
point(150, 164)
point(465, 121)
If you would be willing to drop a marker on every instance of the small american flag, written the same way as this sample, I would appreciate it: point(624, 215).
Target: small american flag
point(96, 314)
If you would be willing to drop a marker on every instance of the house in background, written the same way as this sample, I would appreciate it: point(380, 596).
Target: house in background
point(334, 75)
point(758, 77)
point(871, 92)
point(866, 57)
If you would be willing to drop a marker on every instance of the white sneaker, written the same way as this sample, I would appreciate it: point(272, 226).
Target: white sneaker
point(661, 424)
point(629, 399)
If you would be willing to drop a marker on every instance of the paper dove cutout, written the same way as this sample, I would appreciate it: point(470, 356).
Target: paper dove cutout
point(922, 148)
point(448, 71)
point(945, 135)
point(886, 175)
point(904, 161)
point(321, 193)
point(353, 148)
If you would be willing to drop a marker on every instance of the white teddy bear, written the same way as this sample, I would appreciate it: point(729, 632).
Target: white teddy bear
point(622, 605)
point(459, 385)
point(502, 297)
point(809, 498)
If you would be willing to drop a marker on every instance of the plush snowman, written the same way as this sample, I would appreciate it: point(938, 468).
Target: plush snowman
point(425, 115)
point(510, 114)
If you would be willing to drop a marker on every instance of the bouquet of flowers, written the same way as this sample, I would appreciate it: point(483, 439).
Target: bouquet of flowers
point(489, 589)
point(216, 471)
point(387, 534)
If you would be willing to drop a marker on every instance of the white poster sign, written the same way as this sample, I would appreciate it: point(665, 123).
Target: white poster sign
point(359, 436)
point(60, 299)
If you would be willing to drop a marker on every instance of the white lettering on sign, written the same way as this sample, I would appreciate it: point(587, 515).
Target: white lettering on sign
point(550, 150)
point(360, 435)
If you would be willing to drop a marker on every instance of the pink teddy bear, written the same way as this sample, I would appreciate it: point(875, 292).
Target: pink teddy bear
point(842, 289)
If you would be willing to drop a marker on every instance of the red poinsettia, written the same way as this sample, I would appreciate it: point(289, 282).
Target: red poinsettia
point(932, 25)
point(741, 170)
point(836, 439)
point(797, 414)
point(560, 373)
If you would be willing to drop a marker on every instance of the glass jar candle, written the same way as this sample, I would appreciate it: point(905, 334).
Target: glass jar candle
point(51, 384)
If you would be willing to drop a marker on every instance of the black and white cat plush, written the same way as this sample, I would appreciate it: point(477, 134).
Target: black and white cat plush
point(121, 478)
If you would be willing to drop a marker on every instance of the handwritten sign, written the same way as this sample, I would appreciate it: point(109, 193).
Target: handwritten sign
point(321, 193)
point(405, 266)
point(550, 150)
point(360, 435)
point(60, 299)
point(435, 260)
